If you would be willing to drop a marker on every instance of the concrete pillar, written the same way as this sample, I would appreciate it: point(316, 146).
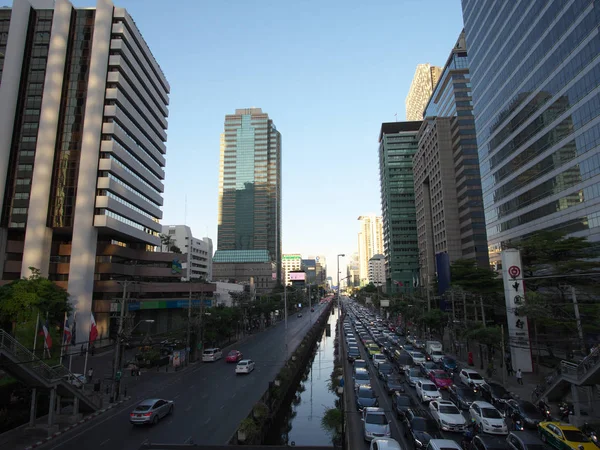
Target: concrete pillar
point(58, 405)
point(76, 406)
point(51, 407)
point(576, 402)
point(33, 409)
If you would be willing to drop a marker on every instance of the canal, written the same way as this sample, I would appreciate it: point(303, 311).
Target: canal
point(301, 423)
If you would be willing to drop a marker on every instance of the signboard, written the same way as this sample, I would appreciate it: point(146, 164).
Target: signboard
point(514, 293)
point(297, 276)
point(384, 303)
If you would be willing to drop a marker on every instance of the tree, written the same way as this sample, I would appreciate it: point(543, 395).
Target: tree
point(473, 278)
point(175, 249)
point(166, 241)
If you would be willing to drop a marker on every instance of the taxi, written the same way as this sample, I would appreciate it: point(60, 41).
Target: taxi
point(563, 436)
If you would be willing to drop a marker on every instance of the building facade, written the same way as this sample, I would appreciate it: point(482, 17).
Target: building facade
point(196, 253)
point(321, 269)
point(82, 150)
point(253, 268)
point(290, 263)
point(377, 270)
point(249, 210)
point(309, 266)
point(448, 197)
point(353, 271)
point(421, 88)
point(370, 242)
point(535, 78)
point(398, 143)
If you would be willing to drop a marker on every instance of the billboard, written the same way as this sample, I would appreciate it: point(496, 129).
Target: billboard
point(297, 276)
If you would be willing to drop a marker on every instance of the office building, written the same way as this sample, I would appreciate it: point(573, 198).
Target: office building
point(421, 88)
point(249, 210)
point(398, 143)
point(83, 121)
point(253, 268)
point(446, 169)
point(535, 79)
point(377, 270)
point(321, 269)
point(196, 253)
point(370, 242)
point(290, 263)
point(353, 271)
point(309, 266)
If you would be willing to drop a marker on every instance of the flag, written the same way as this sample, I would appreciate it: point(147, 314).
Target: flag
point(66, 334)
point(46, 333)
point(74, 329)
point(398, 283)
point(93, 330)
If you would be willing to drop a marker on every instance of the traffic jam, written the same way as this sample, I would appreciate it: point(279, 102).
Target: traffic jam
point(407, 393)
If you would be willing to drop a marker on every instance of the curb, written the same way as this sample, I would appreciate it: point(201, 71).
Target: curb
point(75, 425)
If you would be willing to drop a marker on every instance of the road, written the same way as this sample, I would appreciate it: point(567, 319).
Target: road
point(210, 400)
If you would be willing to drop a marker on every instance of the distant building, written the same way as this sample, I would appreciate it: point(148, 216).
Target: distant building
point(196, 253)
point(370, 242)
point(253, 268)
point(377, 270)
point(321, 269)
point(353, 271)
point(222, 293)
point(422, 86)
point(398, 143)
point(309, 266)
point(290, 263)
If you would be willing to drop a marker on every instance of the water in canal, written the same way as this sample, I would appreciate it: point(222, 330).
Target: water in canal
point(302, 424)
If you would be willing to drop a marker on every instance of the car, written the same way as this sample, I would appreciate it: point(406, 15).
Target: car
point(525, 411)
point(378, 358)
point(426, 390)
point(385, 444)
point(562, 436)
point(76, 379)
point(487, 418)
point(427, 367)
point(299, 314)
point(420, 428)
point(365, 396)
point(408, 348)
point(393, 383)
point(488, 442)
point(384, 370)
point(375, 424)
point(417, 357)
point(447, 415)
point(524, 440)
point(234, 356)
point(470, 377)
point(412, 376)
point(443, 444)
point(402, 361)
point(359, 364)
point(495, 393)
point(244, 366)
point(436, 356)
point(211, 354)
point(361, 378)
point(461, 396)
point(440, 378)
point(401, 403)
point(353, 353)
point(449, 364)
point(150, 411)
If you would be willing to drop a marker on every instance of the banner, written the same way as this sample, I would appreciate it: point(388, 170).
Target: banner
point(519, 344)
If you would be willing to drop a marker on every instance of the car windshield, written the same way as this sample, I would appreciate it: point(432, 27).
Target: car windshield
point(366, 393)
point(426, 425)
point(385, 367)
point(403, 400)
point(449, 409)
point(490, 413)
point(376, 419)
point(418, 355)
point(429, 365)
point(242, 363)
point(449, 361)
point(429, 387)
point(359, 364)
point(442, 376)
point(475, 376)
point(233, 353)
point(142, 407)
point(575, 436)
point(394, 380)
point(362, 376)
point(379, 357)
point(436, 353)
point(414, 372)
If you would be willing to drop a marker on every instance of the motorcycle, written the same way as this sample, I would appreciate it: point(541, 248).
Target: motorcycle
point(565, 410)
point(590, 433)
point(518, 425)
point(545, 410)
point(475, 388)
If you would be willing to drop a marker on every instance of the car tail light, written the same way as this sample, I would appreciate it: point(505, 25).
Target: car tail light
point(147, 414)
point(131, 415)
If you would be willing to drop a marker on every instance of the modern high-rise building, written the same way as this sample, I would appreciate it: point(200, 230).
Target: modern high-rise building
point(446, 170)
point(536, 94)
point(290, 263)
point(309, 266)
point(250, 188)
point(196, 253)
point(370, 242)
point(83, 119)
point(321, 260)
point(377, 270)
point(353, 270)
point(422, 86)
point(398, 143)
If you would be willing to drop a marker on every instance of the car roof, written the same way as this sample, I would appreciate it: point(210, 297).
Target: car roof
point(526, 437)
point(445, 402)
point(494, 441)
point(374, 410)
point(470, 371)
point(445, 443)
point(387, 443)
point(438, 372)
point(562, 425)
point(148, 401)
point(483, 404)
point(244, 361)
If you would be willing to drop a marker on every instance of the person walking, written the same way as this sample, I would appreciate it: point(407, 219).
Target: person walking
point(519, 377)
point(90, 375)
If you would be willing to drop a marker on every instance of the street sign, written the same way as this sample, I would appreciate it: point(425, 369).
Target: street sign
point(514, 271)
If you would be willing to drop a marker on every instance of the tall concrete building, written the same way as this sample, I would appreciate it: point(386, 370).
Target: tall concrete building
point(536, 94)
point(321, 268)
point(83, 119)
point(353, 270)
point(370, 242)
point(446, 170)
point(377, 270)
point(249, 210)
point(196, 253)
point(398, 144)
point(422, 86)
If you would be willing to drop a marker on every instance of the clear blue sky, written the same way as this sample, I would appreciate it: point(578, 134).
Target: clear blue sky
point(327, 72)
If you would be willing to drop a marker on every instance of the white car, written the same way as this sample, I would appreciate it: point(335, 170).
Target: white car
point(447, 415)
point(427, 391)
point(244, 366)
point(384, 444)
point(436, 356)
point(150, 411)
point(378, 359)
point(488, 418)
point(417, 357)
point(471, 377)
point(375, 424)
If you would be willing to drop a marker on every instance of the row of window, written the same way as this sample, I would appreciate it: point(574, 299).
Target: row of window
point(125, 220)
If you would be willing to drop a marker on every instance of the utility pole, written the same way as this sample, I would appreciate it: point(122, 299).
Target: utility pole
point(116, 364)
point(189, 319)
point(428, 296)
point(309, 304)
point(482, 311)
point(503, 356)
point(464, 296)
point(285, 317)
point(578, 319)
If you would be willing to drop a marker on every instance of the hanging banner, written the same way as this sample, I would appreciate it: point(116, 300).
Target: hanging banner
point(384, 303)
point(519, 344)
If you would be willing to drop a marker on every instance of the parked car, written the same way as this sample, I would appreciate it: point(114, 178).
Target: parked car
point(487, 418)
point(150, 411)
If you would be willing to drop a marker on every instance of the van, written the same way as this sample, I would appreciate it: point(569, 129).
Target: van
point(212, 354)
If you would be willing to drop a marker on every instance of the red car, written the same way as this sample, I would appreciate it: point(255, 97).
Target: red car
point(234, 356)
point(441, 379)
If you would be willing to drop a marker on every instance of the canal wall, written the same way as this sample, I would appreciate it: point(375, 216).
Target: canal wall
point(254, 428)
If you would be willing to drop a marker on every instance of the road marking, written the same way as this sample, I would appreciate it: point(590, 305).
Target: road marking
point(177, 396)
point(204, 396)
point(233, 396)
point(206, 421)
point(188, 408)
point(104, 442)
point(204, 379)
point(191, 386)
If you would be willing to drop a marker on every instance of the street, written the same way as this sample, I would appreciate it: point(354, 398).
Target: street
point(210, 400)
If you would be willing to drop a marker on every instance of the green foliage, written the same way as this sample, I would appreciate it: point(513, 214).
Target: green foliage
point(474, 279)
point(332, 420)
point(491, 336)
point(436, 319)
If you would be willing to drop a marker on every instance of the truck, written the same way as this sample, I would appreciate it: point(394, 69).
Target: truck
point(431, 346)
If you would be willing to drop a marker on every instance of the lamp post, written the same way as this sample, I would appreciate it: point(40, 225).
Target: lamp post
point(118, 365)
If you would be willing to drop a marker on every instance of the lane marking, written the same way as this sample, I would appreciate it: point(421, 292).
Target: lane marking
point(104, 442)
point(222, 406)
point(207, 420)
point(177, 396)
point(188, 408)
point(233, 396)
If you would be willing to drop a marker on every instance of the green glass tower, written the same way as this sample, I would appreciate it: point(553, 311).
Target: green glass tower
point(398, 144)
point(250, 185)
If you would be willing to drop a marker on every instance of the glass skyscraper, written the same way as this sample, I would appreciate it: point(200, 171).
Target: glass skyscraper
point(250, 186)
point(535, 77)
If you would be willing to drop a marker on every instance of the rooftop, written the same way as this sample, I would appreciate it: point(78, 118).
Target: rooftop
point(399, 127)
point(241, 256)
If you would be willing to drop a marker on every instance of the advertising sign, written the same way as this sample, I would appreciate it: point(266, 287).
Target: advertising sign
point(297, 276)
point(384, 303)
point(519, 344)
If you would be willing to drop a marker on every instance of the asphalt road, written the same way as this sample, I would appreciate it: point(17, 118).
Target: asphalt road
point(210, 400)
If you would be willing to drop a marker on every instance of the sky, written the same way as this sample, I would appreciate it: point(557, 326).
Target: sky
point(328, 73)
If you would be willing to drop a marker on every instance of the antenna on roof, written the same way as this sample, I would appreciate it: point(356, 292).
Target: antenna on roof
point(185, 211)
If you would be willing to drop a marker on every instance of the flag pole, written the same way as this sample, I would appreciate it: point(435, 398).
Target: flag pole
point(37, 324)
point(87, 347)
point(45, 340)
point(62, 346)
point(73, 339)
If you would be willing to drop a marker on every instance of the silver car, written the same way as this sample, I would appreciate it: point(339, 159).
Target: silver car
point(150, 411)
point(413, 375)
point(375, 424)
